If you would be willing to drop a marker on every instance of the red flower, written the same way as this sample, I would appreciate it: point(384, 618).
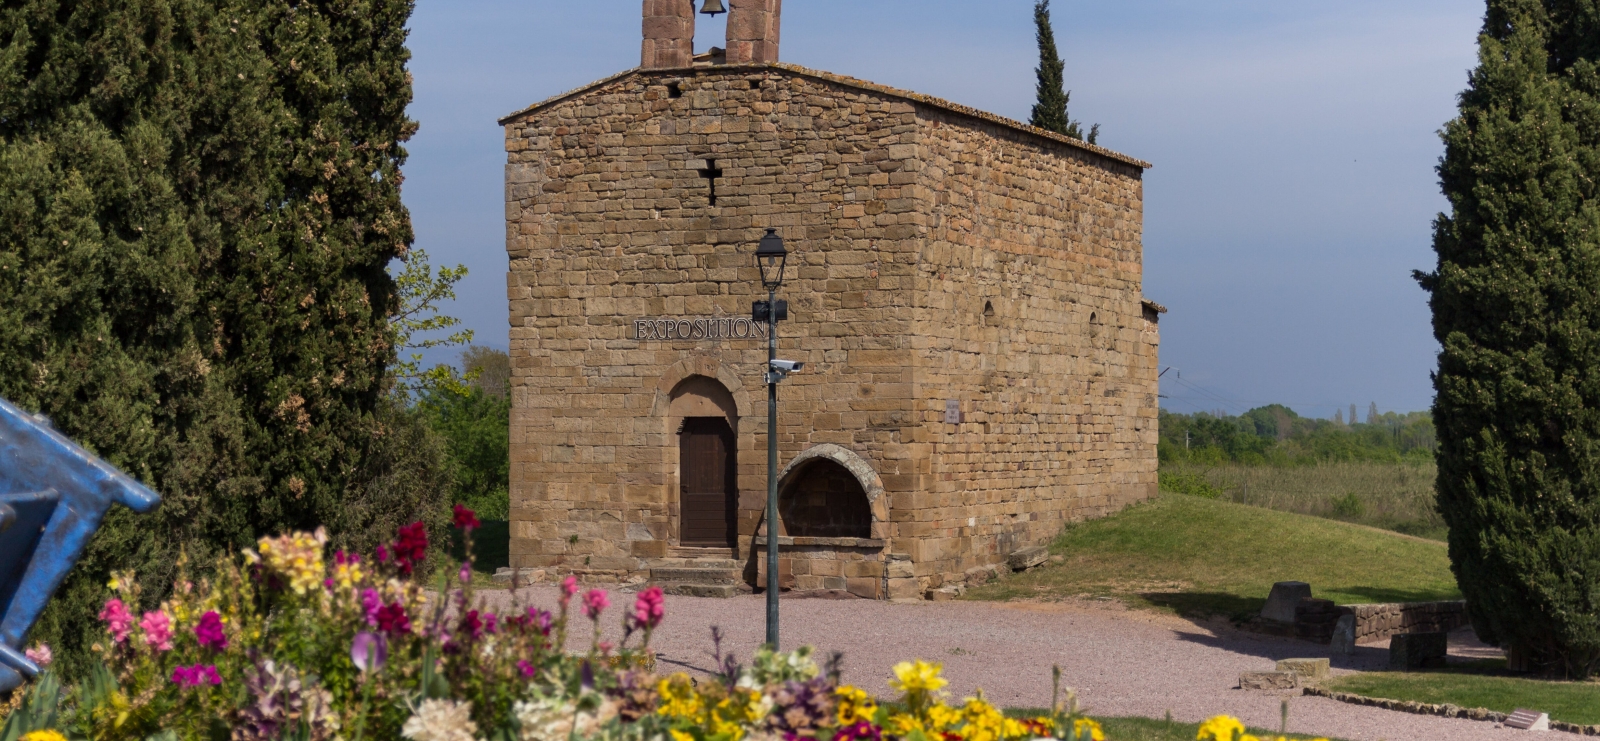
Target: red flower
point(466, 519)
point(392, 619)
point(411, 547)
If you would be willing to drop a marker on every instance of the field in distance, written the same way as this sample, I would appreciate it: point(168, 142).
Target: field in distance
point(1206, 557)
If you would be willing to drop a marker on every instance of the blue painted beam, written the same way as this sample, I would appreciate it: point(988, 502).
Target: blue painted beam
point(53, 497)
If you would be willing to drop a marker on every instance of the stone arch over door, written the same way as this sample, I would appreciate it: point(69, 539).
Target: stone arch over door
point(830, 462)
point(701, 448)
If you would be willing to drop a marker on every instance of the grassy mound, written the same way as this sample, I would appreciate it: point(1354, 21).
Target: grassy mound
point(1574, 702)
point(1209, 557)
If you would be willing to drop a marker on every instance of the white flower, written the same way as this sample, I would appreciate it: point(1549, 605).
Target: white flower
point(441, 720)
point(550, 719)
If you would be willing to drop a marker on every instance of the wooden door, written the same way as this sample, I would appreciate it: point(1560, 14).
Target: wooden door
point(707, 488)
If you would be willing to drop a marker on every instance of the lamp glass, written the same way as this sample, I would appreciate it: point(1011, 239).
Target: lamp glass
point(771, 256)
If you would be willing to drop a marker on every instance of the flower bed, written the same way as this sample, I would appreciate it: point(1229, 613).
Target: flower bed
point(286, 643)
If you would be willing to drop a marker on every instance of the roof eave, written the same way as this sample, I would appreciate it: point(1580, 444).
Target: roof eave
point(914, 97)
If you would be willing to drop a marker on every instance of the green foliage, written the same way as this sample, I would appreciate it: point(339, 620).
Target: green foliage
point(39, 711)
point(198, 205)
point(1516, 307)
point(1193, 484)
point(476, 428)
point(1275, 435)
point(1349, 506)
point(1050, 112)
point(420, 291)
point(489, 369)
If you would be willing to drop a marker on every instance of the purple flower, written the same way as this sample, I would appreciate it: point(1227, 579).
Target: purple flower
point(370, 602)
point(369, 651)
point(527, 668)
point(539, 620)
point(210, 633)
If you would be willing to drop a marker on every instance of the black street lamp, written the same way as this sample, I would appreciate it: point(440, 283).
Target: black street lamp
point(771, 258)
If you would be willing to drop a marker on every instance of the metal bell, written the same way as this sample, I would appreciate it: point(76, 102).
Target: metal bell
point(713, 8)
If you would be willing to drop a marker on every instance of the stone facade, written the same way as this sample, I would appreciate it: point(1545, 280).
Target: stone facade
point(965, 292)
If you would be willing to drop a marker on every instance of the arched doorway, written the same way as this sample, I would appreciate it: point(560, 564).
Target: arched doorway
point(708, 489)
point(824, 500)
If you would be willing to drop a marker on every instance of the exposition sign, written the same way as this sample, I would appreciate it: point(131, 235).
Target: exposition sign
point(705, 328)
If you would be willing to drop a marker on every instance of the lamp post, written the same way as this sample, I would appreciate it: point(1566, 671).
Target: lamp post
point(771, 256)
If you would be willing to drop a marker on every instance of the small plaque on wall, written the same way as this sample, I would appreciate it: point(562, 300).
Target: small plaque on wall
point(952, 412)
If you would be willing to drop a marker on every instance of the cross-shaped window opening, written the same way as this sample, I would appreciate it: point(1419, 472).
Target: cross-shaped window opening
point(711, 173)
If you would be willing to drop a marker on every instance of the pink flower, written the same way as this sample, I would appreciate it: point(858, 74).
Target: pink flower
point(40, 654)
point(569, 587)
point(650, 607)
point(117, 618)
point(157, 630)
point(594, 601)
point(210, 633)
point(370, 602)
point(466, 573)
point(527, 668)
point(196, 676)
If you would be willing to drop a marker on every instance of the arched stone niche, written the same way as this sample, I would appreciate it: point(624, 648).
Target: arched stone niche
point(832, 478)
point(699, 396)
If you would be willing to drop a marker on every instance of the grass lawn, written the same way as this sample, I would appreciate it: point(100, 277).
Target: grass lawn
point(1149, 729)
point(1574, 702)
point(1210, 557)
point(1392, 496)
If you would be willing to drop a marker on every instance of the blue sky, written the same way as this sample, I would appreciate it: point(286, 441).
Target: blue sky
point(1293, 141)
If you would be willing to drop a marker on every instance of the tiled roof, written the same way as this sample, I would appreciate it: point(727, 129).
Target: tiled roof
point(927, 100)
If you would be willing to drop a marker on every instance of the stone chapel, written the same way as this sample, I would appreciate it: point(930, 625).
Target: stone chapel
point(965, 291)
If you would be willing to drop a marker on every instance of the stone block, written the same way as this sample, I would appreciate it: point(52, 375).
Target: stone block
point(905, 589)
point(1027, 558)
point(1285, 596)
point(1409, 651)
point(1308, 669)
point(865, 587)
point(1344, 635)
point(1268, 681)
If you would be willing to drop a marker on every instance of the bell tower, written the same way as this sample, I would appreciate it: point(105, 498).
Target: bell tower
point(669, 31)
point(668, 34)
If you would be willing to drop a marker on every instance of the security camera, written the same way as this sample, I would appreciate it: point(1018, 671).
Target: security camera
point(787, 366)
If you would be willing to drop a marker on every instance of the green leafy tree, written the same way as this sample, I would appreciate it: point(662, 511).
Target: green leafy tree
point(417, 325)
point(1050, 112)
point(1516, 308)
point(199, 201)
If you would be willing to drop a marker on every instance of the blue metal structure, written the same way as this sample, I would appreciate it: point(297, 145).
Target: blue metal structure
point(53, 496)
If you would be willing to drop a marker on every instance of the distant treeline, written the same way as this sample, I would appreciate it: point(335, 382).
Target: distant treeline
point(1275, 435)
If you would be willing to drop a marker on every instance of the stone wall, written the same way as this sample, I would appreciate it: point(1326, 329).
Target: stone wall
point(1031, 320)
point(904, 220)
point(1378, 621)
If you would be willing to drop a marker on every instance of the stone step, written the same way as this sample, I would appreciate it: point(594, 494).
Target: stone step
point(694, 563)
point(705, 590)
point(693, 575)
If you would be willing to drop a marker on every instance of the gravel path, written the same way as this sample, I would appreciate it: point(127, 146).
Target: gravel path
point(1121, 662)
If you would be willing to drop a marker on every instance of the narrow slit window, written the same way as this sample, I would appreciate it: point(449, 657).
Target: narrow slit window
point(711, 173)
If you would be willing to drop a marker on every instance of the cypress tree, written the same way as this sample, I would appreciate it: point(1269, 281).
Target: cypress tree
point(1050, 112)
point(1516, 309)
point(198, 204)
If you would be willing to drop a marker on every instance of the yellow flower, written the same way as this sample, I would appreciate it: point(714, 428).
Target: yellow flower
point(678, 735)
point(902, 724)
point(43, 736)
point(855, 705)
point(1220, 728)
point(297, 556)
point(941, 717)
point(917, 677)
point(678, 698)
point(1083, 725)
